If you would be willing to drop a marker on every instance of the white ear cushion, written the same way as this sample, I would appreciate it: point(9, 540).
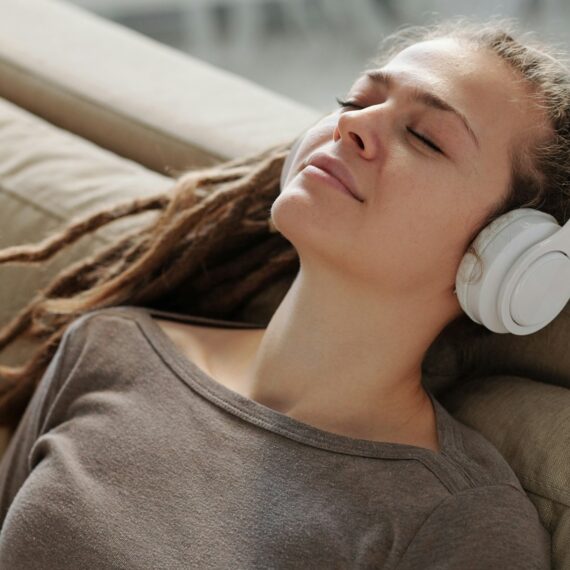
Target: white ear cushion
point(289, 160)
point(466, 268)
point(328, 120)
point(499, 245)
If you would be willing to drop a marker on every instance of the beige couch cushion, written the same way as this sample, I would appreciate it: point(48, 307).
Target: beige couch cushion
point(48, 177)
point(133, 95)
point(529, 423)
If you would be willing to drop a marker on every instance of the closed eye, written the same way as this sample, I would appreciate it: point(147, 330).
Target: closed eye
point(426, 141)
point(345, 104)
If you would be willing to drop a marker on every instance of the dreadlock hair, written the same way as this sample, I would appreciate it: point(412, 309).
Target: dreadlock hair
point(214, 240)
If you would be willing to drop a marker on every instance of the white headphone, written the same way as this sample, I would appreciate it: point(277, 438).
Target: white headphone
point(525, 274)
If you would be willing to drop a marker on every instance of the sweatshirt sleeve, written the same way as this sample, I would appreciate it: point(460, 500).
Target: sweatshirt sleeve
point(479, 529)
point(14, 464)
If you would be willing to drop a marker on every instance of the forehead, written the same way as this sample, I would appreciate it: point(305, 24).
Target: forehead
point(493, 97)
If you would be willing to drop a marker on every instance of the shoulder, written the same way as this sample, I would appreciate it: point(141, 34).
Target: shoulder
point(84, 322)
point(494, 526)
point(480, 463)
point(107, 330)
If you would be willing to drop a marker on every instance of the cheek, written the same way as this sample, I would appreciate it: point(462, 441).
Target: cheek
point(410, 211)
point(404, 192)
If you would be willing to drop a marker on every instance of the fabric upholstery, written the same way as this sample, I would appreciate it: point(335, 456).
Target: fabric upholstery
point(133, 95)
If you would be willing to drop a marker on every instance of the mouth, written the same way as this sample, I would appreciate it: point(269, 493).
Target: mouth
point(334, 172)
point(329, 179)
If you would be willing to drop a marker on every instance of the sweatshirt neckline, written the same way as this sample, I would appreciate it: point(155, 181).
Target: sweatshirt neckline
point(275, 421)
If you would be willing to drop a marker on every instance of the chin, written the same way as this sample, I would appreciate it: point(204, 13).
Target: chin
point(290, 216)
point(313, 233)
point(278, 216)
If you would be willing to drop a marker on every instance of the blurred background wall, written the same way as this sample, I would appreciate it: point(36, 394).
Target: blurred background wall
point(309, 50)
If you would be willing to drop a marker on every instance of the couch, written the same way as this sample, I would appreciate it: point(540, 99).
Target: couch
point(93, 114)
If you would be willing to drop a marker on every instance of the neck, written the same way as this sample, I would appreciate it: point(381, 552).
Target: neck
point(331, 358)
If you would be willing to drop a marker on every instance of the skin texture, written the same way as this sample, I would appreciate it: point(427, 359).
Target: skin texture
point(343, 351)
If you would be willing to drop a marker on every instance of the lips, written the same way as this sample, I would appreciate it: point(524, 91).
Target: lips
point(337, 169)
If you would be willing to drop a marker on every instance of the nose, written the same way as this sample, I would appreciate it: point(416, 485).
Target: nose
point(354, 136)
point(355, 128)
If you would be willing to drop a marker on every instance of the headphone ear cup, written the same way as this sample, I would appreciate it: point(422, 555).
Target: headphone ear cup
point(503, 245)
point(289, 160)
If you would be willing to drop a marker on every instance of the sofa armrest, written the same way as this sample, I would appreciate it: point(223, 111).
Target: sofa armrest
point(132, 95)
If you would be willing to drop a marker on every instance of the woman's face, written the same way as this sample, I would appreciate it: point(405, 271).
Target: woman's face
point(420, 206)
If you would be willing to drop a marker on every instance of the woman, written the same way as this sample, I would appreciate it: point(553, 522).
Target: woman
point(311, 442)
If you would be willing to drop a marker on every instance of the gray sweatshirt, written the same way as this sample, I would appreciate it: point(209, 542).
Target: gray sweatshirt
point(131, 457)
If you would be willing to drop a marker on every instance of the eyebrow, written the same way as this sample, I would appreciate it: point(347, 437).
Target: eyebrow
point(430, 99)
